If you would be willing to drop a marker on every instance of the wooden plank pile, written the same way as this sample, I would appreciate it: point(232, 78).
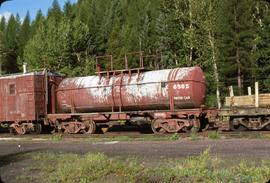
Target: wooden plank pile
point(257, 100)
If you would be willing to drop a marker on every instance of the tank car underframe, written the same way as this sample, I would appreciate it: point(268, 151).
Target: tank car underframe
point(241, 119)
point(161, 121)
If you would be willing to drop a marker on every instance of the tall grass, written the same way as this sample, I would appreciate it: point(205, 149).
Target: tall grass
point(71, 168)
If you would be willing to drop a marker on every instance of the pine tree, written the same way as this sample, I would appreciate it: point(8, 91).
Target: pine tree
point(59, 46)
point(261, 45)
point(24, 36)
point(1, 51)
point(3, 24)
point(237, 37)
point(55, 12)
point(11, 45)
point(69, 10)
point(39, 19)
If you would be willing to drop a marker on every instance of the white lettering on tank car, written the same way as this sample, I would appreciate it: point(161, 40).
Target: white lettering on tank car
point(182, 98)
point(181, 86)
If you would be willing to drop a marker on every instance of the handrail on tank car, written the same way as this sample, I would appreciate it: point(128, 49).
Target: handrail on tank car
point(98, 65)
point(112, 70)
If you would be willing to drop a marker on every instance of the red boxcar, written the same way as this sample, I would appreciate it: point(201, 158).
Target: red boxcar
point(24, 100)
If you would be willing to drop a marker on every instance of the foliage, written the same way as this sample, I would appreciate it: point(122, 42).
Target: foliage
point(99, 167)
point(194, 134)
point(56, 137)
point(175, 136)
point(214, 135)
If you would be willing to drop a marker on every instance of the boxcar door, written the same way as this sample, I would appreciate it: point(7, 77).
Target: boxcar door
point(10, 89)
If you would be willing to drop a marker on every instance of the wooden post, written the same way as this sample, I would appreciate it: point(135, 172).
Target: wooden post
point(231, 95)
point(256, 94)
point(231, 91)
point(249, 91)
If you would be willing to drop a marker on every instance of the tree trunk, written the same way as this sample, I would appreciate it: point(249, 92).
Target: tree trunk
point(239, 79)
point(214, 60)
point(191, 32)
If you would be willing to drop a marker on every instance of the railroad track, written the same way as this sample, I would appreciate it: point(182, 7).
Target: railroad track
point(129, 135)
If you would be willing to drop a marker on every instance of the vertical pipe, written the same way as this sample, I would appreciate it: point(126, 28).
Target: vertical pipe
point(256, 94)
point(111, 57)
point(97, 65)
point(141, 60)
point(46, 90)
point(53, 97)
point(46, 97)
point(24, 68)
point(126, 61)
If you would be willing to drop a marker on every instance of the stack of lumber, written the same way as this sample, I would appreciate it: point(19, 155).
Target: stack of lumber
point(248, 101)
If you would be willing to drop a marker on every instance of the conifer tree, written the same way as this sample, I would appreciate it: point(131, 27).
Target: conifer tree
point(24, 35)
point(10, 40)
point(39, 19)
point(236, 37)
point(55, 11)
point(3, 24)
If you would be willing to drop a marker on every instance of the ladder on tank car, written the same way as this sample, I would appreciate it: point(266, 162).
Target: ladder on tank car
point(111, 71)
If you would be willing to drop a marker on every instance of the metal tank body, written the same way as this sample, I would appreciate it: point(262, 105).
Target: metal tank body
point(170, 89)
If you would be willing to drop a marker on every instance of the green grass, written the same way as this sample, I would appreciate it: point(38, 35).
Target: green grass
point(56, 137)
point(72, 168)
point(175, 136)
point(214, 135)
point(148, 137)
point(194, 134)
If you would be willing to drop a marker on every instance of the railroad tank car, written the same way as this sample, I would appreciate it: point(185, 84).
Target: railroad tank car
point(184, 88)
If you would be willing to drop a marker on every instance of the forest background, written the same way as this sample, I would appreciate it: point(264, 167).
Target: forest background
point(230, 40)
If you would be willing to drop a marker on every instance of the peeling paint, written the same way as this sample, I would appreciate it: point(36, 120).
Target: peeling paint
point(143, 89)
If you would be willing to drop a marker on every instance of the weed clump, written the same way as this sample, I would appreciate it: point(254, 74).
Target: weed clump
point(56, 137)
point(175, 136)
point(214, 135)
point(72, 168)
point(194, 134)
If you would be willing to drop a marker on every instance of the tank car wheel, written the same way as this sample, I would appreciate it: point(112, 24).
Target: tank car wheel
point(236, 127)
point(157, 128)
point(195, 127)
point(267, 127)
point(206, 127)
point(37, 128)
point(90, 127)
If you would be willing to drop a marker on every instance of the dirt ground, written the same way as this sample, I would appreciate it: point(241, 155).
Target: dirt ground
point(167, 149)
point(253, 149)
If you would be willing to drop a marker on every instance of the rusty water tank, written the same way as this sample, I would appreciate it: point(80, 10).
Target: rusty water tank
point(182, 88)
